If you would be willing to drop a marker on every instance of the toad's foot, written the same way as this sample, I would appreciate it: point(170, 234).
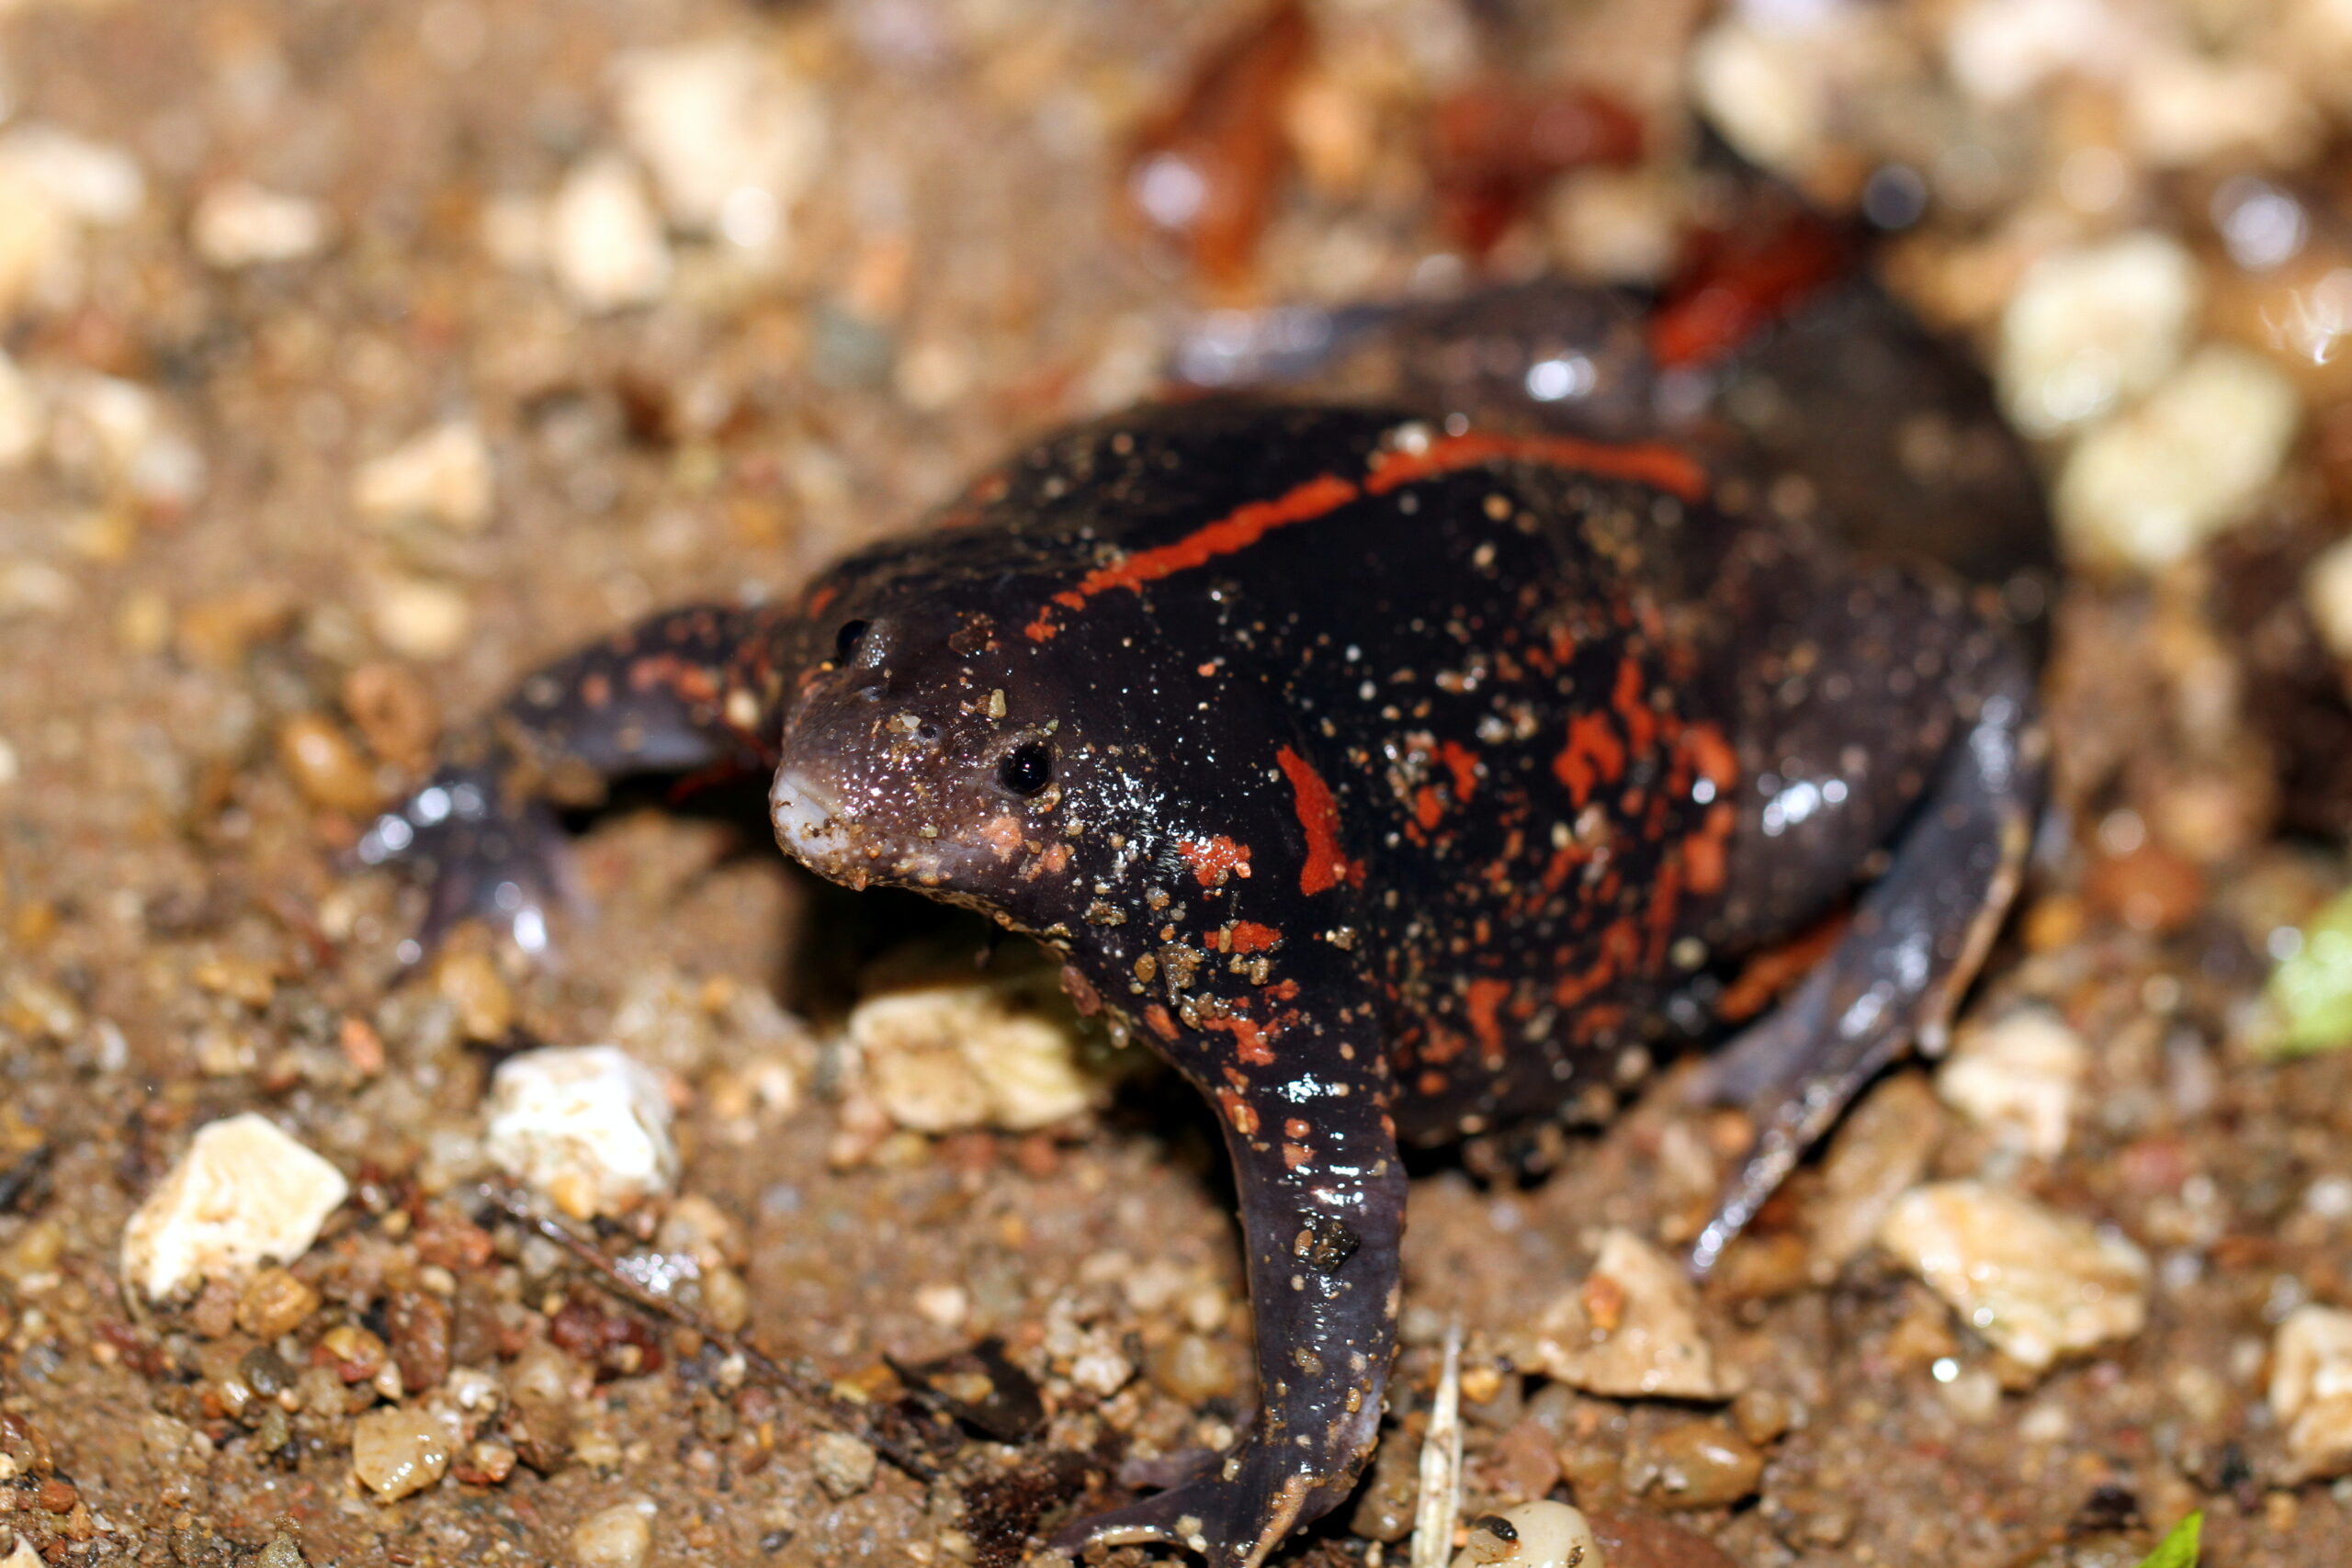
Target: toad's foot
point(479, 854)
point(1233, 1518)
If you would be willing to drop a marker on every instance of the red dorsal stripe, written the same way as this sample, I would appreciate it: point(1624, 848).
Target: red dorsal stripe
point(1660, 467)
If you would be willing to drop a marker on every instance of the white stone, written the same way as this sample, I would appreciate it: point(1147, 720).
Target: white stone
point(23, 1556)
point(37, 250)
point(952, 1056)
point(399, 1450)
point(2036, 1283)
point(2020, 1077)
point(119, 432)
point(2093, 326)
point(2327, 595)
point(244, 1193)
point(604, 240)
point(419, 618)
point(2152, 485)
point(1543, 1535)
point(588, 1126)
point(618, 1536)
point(22, 423)
point(1631, 1330)
point(442, 476)
point(715, 119)
point(2182, 108)
point(1765, 92)
point(238, 223)
point(844, 1465)
point(96, 183)
point(2001, 49)
point(2310, 1388)
point(514, 231)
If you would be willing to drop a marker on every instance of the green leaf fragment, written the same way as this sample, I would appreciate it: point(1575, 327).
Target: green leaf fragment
point(2179, 1549)
point(2310, 994)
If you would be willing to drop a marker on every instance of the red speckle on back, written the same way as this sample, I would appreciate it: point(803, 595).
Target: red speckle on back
point(1251, 1042)
point(1463, 763)
point(1318, 817)
point(1486, 996)
point(1592, 757)
point(1214, 859)
point(1248, 936)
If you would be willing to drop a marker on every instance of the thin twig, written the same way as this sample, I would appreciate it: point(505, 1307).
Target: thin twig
point(801, 1380)
point(1441, 1499)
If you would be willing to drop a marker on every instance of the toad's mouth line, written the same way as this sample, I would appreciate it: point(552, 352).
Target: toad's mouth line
point(813, 828)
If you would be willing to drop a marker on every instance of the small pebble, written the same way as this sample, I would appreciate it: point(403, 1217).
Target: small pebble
point(1703, 1464)
point(604, 241)
point(95, 183)
point(275, 1303)
point(2035, 1283)
point(393, 712)
point(1193, 1368)
point(469, 980)
point(1646, 1540)
point(443, 477)
point(22, 421)
point(2149, 887)
point(397, 1450)
point(242, 1193)
point(844, 1465)
point(419, 618)
point(945, 1057)
point(1631, 1330)
point(326, 767)
point(2001, 49)
point(2151, 486)
point(2327, 581)
point(2310, 1388)
point(239, 224)
point(36, 241)
point(618, 1536)
point(726, 1299)
point(1882, 1151)
point(2090, 328)
point(1764, 90)
point(734, 138)
point(1763, 1415)
point(1532, 1534)
point(2019, 1076)
point(587, 1125)
point(419, 1324)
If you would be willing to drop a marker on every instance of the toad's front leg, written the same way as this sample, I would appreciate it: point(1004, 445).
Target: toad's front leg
point(1322, 1208)
point(691, 689)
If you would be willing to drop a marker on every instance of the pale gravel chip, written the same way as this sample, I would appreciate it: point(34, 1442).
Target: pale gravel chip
point(244, 1193)
point(2310, 1388)
point(2038, 1284)
point(588, 1126)
point(1630, 1331)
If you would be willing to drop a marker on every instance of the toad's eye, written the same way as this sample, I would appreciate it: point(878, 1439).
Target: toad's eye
point(846, 641)
point(1027, 768)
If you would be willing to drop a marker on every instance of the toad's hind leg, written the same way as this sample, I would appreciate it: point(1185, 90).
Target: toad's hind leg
point(1916, 938)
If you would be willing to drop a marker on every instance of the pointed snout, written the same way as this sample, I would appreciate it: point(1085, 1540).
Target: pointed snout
point(808, 821)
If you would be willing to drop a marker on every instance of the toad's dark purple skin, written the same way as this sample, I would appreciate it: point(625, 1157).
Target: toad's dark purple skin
point(1394, 776)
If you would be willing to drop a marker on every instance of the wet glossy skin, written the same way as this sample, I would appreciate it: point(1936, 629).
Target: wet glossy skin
point(1394, 776)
